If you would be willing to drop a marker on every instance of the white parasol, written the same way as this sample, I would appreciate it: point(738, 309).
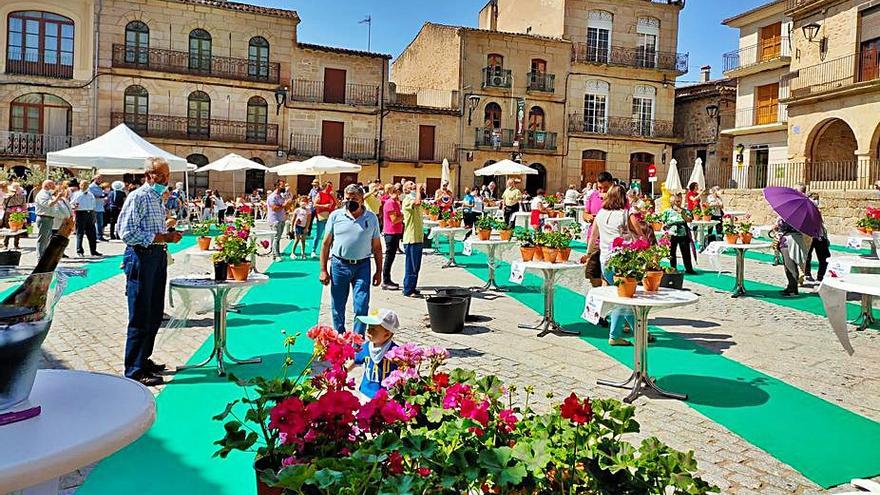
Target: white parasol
point(505, 167)
point(698, 175)
point(673, 181)
point(444, 172)
point(317, 165)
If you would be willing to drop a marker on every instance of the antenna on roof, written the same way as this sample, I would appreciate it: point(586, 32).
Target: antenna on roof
point(368, 20)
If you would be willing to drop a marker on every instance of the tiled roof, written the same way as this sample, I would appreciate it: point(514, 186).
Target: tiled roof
point(244, 7)
point(505, 33)
point(751, 11)
point(344, 51)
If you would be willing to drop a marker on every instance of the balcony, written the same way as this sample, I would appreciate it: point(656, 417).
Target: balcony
point(840, 74)
point(28, 63)
point(620, 126)
point(769, 54)
point(541, 82)
point(761, 116)
point(407, 96)
point(351, 148)
point(494, 138)
point(350, 94)
point(539, 140)
point(401, 150)
point(496, 77)
point(28, 145)
point(179, 62)
point(638, 57)
point(174, 127)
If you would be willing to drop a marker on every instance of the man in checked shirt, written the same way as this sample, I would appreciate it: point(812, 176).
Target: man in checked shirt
point(143, 227)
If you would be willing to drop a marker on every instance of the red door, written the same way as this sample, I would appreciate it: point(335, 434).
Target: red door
point(870, 60)
point(332, 138)
point(426, 143)
point(638, 167)
point(334, 85)
point(431, 186)
point(304, 183)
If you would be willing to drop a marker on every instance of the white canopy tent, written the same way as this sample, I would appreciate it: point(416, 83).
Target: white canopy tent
point(673, 181)
point(317, 165)
point(698, 175)
point(119, 151)
point(505, 167)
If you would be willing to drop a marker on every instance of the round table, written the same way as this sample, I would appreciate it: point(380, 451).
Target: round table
point(843, 266)
point(220, 290)
point(430, 224)
point(449, 233)
point(492, 246)
point(740, 289)
point(85, 417)
point(703, 227)
point(641, 305)
point(549, 271)
point(868, 285)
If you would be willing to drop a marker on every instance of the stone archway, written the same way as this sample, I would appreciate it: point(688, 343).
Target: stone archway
point(831, 152)
point(536, 181)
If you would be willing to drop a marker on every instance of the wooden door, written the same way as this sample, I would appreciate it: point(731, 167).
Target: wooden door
point(334, 85)
point(431, 186)
point(770, 45)
point(347, 179)
point(426, 143)
point(592, 163)
point(539, 67)
point(304, 184)
point(869, 66)
point(767, 106)
point(638, 168)
point(332, 138)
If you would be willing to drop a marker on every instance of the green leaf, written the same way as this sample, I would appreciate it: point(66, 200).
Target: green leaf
point(236, 438)
point(295, 476)
point(397, 486)
point(434, 414)
point(512, 475)
point(226, 412)
point(326, 478)
point(419, 447)
point(534, 455)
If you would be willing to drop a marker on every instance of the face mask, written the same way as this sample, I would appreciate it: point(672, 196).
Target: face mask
point(352, 206)
point(159, 188)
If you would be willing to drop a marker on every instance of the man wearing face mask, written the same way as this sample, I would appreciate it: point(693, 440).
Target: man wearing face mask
point(143, 227)
point(352, 235)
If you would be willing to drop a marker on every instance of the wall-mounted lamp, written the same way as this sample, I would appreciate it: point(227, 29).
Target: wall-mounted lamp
point(472, 102)
point(712, 111)
point(740, 151)
point(811, 32)
point(280, 98)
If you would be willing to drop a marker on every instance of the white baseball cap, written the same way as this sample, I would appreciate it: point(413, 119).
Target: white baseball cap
point(385, 318)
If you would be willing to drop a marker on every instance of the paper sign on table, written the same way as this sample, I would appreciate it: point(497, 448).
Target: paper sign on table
point(467, 247)
point(839, 268)
point(591, 309)
point(517, 272)
point(854, 242)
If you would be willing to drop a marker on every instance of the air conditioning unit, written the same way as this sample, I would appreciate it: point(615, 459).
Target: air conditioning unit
point(498, 81)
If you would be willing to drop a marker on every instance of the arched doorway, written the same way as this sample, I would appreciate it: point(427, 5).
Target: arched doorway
point(592, 163)
point(638, 168)
point(536, 181)
point(254, 179)
point(832, 153)
point(198, 182)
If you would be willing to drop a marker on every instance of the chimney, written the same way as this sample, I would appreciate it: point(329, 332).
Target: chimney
point(706, 73)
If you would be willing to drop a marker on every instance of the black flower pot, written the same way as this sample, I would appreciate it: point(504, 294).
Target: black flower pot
point(221, 270)
point(673, 280)
point(447, 314)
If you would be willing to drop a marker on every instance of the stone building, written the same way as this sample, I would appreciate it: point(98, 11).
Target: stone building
point(701, 111)
point(759, 131)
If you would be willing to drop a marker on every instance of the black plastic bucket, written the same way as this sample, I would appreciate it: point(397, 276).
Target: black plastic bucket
point(447, 313)
point(458, 292)
point(673, 280)
point(221, 271)
point(10, 258)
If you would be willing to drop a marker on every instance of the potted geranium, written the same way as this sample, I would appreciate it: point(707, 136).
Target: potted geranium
point(745, 229)
point(551, 202)
point(505, 231)
point(628, 262)
point(654, 220)
point(236, 247)
point(433, 212)
point(870, 221)
point(653, 256)
point(549, 242)
point(454, 220)
point(484, 225)
point(17, 217)
point(202, 230)
point(731, 231)
point(526, 239)
point(444, 219)
point(563, 244)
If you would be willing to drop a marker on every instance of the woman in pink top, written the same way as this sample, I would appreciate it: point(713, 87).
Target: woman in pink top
point(392, 228)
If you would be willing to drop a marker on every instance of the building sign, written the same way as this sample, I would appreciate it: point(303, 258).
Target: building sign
point(520, 116)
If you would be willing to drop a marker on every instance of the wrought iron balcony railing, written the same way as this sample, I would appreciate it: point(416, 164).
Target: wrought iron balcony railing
point(28, 63)
point(539, 140)
point(831, 75)
point(180, 62)
point(29, 145)
point(494, 138)
point(638, 57)
point(174, 127)
point(765, 51)
point(351, 148)
point(620, 126)
point(541, 81)
point(409, 150)
point(350, 94)
point(496, 77)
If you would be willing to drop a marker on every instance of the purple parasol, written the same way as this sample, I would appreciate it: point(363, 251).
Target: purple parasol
point(795, 209)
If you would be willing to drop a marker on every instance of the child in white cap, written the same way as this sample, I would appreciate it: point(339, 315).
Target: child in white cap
point(381, 326)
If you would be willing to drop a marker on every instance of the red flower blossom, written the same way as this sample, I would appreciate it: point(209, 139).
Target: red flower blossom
point(393, 411)
point(288, 417)
point(395, 463)
point(424, 472)
point(337, 353)
point(440, 381)
point(476, 431)
point(454, 395)
point(508, 420)
point(575, 410)
point(477, 412)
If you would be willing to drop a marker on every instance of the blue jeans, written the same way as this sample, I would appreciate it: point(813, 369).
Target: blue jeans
point(618, 316)
point(146, 270)
point(413, 253)
point(319, 235)
point(345, 278)
point(99, 223)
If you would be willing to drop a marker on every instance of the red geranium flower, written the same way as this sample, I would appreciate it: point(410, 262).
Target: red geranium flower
point(395, 463)
point(288, 417)
point(424, 472)
point(440, 380)
point(575, 410)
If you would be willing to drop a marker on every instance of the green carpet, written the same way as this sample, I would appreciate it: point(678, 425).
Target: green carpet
point(174, 456)
point(826, 443)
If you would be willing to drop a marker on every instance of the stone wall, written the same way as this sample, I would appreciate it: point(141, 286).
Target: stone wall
point(626, 14)
point(431, 60)
point(840, 209)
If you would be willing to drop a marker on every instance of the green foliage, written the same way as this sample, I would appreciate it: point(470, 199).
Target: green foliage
point(486, 222)
point(202, 229)
point(524, 236)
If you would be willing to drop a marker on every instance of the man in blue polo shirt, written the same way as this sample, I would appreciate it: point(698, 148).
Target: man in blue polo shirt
point(351, 236)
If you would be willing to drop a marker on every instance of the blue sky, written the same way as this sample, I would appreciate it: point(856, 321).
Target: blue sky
point(396, 22)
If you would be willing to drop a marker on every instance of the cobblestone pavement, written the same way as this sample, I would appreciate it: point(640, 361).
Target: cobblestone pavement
point(796, 347)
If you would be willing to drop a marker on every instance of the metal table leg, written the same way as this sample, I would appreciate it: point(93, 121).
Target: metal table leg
point(254, 263)
point(491, 284)
point(740, 289)
point(640, 378)
point(548, 323)
point(866, 318)
point(451, 263)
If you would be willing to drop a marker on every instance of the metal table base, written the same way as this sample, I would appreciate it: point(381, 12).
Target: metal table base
point(451, 263)
point(640, 379)
point(492, 262)
point(740, 289)
point(866, 317)
point(548, 323)
point(221, 306)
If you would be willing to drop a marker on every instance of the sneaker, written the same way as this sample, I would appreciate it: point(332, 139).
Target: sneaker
point(97, 254)
point(148, 379)
point(314, 256)
point(619, 342)
point(391, 286)
point(809, 278)
point(414, 295)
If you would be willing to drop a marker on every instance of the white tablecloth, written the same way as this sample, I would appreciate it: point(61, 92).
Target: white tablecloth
point(833, 293)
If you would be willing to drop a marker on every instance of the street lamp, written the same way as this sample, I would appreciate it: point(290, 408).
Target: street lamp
point(280, 98)
point(712, 111)
point(472, 102)
point(811, 31)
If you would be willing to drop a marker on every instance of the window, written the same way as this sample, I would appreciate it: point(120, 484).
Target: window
point(869, 54)
point(767, 104)
point(137, 43)
point(200, 50)
point(40, 44)
point(596, 107)
point(536, 119)
point(539, 67)
point(599, 25)
point(258, 57)
point(493, 116)
point(136, 108)
point(200, 179)
point(198, 114)
point(648, 30)
point(254, 179)
point(643, 111)
point(257, 116)
point(40, 113)
point(495, 60)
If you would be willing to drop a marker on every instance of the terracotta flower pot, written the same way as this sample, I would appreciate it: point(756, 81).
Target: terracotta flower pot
point(240, 271)
point(651, 281)
point(443, 224)
point(204, 243)
point(731, 238)
point(746, 238)
point(484, 234)
point(505, 235)
point(550, 254)
point(261, 464)
point(626, 287)
point(528, 253)
point(657, 226)
point(563, 254)
point(707, 218)
point(13, 225)
point(435, 217)
point(539, 253)
point(863, 230)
